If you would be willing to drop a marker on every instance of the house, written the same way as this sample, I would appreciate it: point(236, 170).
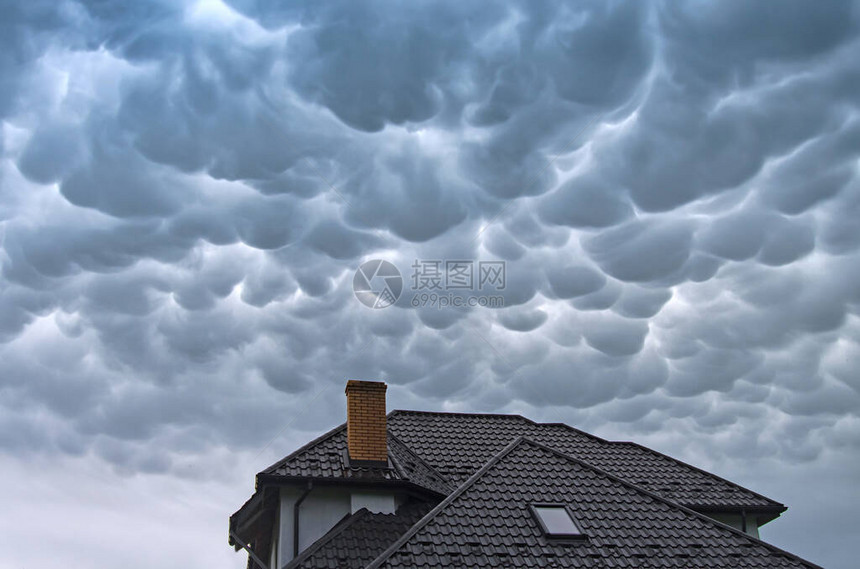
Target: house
point(411, 489)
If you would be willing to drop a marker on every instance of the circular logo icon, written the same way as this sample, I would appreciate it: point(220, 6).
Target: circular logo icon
point(377, 284)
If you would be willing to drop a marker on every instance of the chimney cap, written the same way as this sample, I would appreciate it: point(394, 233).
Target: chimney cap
point(362, 385)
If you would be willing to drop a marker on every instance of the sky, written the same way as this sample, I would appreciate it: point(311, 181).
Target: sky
point(188, 187)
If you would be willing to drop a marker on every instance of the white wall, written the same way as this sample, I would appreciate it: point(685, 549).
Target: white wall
point(378, 502)
point(319, 512)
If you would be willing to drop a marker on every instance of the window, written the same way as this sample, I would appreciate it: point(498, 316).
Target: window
point(556, 521)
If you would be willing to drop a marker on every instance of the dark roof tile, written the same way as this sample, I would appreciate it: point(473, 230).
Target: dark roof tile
point(457, 445)
point(325, 457)
point(619, 519)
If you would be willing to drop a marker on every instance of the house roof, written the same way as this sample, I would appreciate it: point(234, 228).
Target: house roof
point(438, 451)
point(479, 474)
point(486, 522)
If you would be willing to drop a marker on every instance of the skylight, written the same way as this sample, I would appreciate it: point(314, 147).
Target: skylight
point(556, 521)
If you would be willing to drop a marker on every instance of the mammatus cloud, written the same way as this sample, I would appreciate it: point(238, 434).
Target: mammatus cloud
point(188, 187)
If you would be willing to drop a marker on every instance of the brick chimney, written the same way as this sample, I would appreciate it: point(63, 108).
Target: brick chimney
point(366, 426)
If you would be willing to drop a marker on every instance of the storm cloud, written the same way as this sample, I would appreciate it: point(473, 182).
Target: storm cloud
point(187, 189)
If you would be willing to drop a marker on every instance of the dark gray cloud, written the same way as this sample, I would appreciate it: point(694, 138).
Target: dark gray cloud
point(584, 202)
point(188, 187)
point(573, 281)
point(642, 251)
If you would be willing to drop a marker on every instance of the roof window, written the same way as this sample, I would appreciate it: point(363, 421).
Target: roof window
point(556, 521)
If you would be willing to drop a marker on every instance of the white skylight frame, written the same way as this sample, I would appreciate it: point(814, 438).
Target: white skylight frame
point(565, 527)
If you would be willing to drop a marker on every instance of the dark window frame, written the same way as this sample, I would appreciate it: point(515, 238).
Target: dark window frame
point(581, 536)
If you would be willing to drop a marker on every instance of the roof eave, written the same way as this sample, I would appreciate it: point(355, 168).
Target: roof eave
point(264, 479)
point(763, 514)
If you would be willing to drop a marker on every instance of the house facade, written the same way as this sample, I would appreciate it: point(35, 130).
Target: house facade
point(423, 489)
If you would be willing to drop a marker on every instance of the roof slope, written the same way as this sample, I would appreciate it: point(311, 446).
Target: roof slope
point(415, 469)
point(359, 538)
point(438, 451)
point(457, 445)
point(486, 523)
point(325, 458)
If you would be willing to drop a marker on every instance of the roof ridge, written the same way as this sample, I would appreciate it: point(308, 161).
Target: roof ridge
point(458, 413)
point(441, 506)
point(500, 415)
point(694, 467)
point(345, 522)
point(666, 500)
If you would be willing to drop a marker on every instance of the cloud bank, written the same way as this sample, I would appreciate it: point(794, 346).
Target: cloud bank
point(188, 187)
